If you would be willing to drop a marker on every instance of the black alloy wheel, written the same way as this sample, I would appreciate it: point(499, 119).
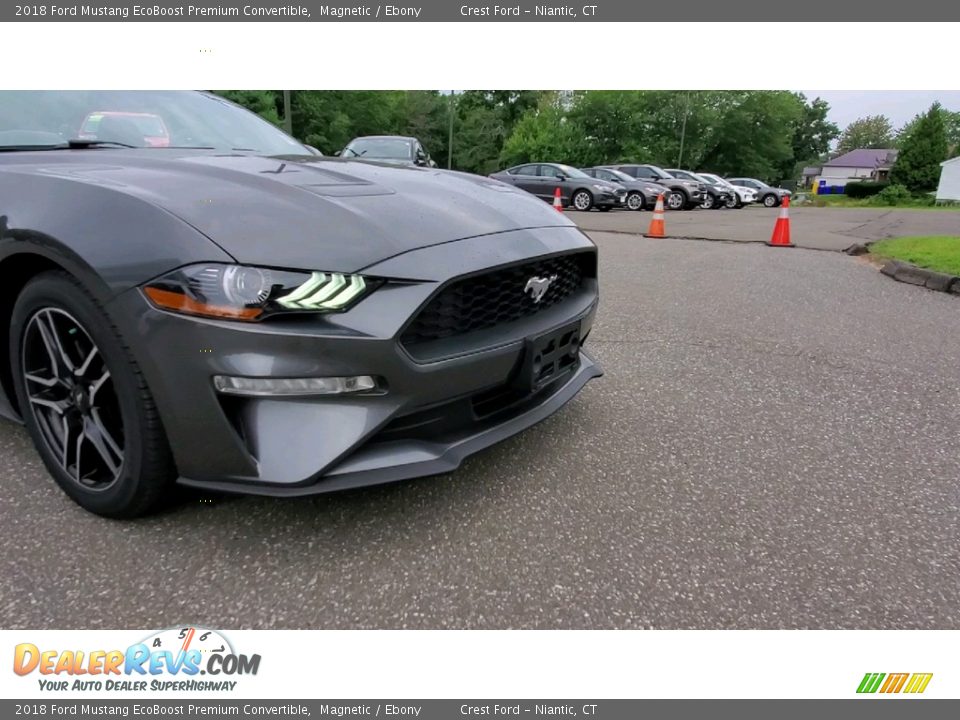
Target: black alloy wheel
point(72, 398)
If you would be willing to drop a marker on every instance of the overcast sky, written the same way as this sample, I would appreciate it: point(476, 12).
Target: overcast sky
point(898, 105)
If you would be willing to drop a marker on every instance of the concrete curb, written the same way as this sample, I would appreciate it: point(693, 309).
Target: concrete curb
point(913, 275)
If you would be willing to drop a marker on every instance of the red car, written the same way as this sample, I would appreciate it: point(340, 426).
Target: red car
point(152, 127)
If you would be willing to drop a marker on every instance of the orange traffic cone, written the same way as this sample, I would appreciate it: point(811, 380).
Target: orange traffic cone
point(657, 227)
point(557, 202)
point(781, 231)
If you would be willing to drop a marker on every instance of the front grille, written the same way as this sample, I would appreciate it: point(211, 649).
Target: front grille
point(497, 297)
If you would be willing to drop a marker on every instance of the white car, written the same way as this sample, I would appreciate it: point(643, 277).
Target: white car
point(743, 194)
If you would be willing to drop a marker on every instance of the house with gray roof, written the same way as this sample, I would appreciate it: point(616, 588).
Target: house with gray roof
point(858, 165)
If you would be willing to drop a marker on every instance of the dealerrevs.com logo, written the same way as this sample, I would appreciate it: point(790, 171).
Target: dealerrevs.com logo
point(172, 659)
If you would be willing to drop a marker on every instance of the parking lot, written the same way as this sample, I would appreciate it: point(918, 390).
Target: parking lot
point(774, 445)
point(811, 227)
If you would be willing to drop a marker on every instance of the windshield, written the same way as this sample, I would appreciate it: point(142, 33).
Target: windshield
point(621, 176)
point(384, 148)
point(572, 172)
point(660, 173)
point(143, 119)
point(687, 175)
point(714, 180)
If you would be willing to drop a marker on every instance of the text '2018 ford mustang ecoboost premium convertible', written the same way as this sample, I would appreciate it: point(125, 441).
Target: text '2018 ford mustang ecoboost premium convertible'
point(233, 311)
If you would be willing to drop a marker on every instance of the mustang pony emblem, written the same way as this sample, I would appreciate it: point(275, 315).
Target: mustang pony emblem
point(538, 286)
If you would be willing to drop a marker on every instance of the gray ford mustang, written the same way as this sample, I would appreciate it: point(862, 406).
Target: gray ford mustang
point(191, 295)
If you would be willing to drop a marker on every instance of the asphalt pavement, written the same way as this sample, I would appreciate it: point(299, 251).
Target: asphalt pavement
point(810, 227)
point(774, 445)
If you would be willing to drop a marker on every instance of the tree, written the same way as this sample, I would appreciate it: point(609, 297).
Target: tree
point(545, 133)
point(923, 149)
point(756, 134)
point(812, 135)
point(951, 124)
point(266, 103)
point(871, 132)
point(484, 120)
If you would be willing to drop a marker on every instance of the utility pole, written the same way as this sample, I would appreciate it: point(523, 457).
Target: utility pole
point(450, 136)
point(287, 115)
point(683, 131)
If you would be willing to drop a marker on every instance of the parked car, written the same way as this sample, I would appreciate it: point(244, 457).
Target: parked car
point(392, 149)
point(715, 197)
point(577, 189)
point(135, 126)
point(640, 193)
point(740, 194)
point(239, 314)
point(769, 196)
point(683, 195)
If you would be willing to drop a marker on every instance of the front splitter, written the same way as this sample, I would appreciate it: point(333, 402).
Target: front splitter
point(404, 460)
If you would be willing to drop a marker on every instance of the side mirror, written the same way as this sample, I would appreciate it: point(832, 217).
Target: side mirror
point(561, 178)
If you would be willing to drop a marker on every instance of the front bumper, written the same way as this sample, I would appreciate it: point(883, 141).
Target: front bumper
point(608, 199)
point(427, 422)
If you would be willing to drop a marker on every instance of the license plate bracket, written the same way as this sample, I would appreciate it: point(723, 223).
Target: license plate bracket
point(549, 357)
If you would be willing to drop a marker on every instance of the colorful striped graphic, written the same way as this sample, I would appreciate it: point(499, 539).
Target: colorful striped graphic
point(914, 683)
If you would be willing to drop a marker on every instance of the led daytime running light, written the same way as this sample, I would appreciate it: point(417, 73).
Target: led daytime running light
point(324, 291)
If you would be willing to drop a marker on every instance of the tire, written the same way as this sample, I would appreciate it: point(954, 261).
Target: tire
point(733, 202)
point(676, 200)
point(635, 201)
point(85, 402)
point(708, 202)
point(581, 200)
point(770, 200)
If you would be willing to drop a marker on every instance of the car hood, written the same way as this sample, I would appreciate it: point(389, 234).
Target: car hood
point(306, 211)
point(642, 185)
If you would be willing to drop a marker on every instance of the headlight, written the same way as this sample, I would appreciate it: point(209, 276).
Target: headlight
point(241, 292)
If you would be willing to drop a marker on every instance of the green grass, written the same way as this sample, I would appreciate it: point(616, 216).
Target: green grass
point(935, 252)
point(844, 201)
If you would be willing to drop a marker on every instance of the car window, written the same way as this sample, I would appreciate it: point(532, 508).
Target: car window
point(382, 148)
point(549, 171)
point(645, 173)
point(592, 172)
point(523, 170)
point(147, 119)
point(571, 172)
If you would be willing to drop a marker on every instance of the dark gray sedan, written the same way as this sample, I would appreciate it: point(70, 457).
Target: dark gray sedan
point(577, 189)
point(233, 312)
point(640, 193)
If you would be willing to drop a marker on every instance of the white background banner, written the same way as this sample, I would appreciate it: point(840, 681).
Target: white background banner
point(510, 664)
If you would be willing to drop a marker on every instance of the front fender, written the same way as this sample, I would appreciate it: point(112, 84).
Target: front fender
point(109, 239)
